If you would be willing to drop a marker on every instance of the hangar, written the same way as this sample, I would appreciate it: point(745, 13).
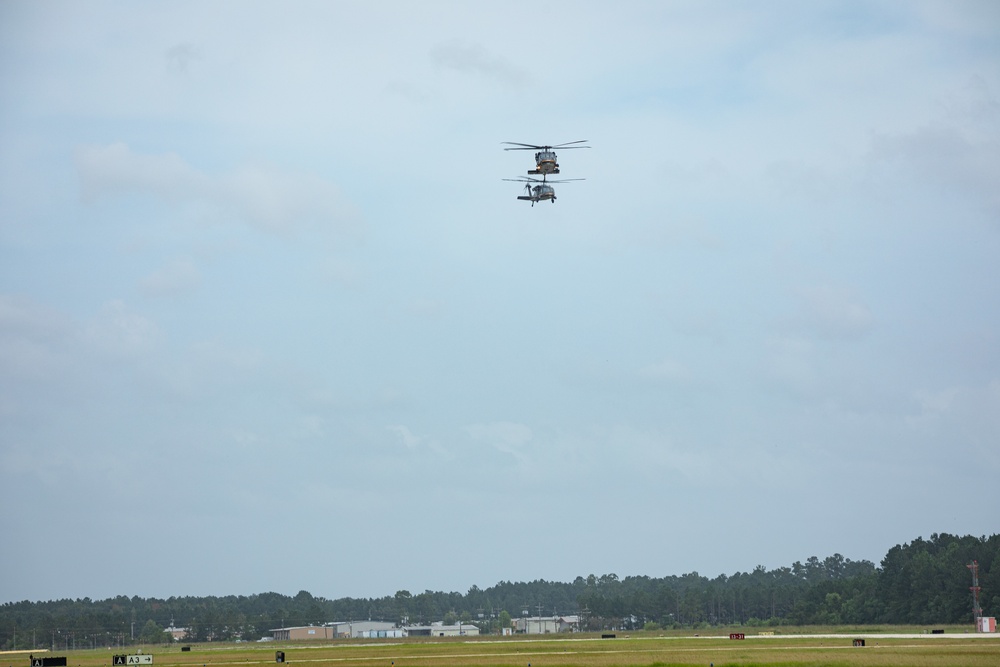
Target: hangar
point(372, 630)
point(543, 625)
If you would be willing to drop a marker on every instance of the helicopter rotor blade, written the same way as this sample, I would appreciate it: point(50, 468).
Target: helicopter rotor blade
point(531, 147)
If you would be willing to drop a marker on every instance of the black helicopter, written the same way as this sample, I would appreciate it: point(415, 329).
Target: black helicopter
point(541, 190)
point(545, 158)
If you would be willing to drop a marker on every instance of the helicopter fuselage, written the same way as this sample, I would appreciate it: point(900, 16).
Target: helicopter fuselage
point(545, 163)
point(540, 193)
point(539, 189)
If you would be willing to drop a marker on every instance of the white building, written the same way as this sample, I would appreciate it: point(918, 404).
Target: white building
point(350, 629)
point(372, 630)
point(543, 625)
point(391, 633)
point(439, 629)
point(337, 630)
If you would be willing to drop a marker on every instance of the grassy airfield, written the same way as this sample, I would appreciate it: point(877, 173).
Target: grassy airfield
point(896, 646)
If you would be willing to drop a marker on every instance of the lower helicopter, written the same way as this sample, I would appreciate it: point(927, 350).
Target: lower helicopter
point(541, 190)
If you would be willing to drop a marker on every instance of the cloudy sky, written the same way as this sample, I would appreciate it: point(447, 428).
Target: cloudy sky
point(271, 320)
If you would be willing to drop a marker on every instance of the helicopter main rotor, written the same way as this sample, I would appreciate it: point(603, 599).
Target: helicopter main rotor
point(543, 180)
point(532, 147)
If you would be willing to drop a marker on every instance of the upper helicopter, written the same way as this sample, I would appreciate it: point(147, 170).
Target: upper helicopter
point(545, 158)
point(541, 190)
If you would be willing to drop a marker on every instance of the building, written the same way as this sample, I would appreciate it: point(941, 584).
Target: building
point(349, 629)
point(569, 623)
point(391, 633)
point(543, 625)
point(302, 632)
point(336, 630)
point(439, 629)
point(372, 630)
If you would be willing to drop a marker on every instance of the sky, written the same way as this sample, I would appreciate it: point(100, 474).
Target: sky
point(272, 320)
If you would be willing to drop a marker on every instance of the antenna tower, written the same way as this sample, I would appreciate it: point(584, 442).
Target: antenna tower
point(977, 610)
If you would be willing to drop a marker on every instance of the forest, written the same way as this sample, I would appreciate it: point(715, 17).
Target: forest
point(923, 582)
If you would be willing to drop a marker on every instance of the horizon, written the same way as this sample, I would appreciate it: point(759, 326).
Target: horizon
point(875, 564)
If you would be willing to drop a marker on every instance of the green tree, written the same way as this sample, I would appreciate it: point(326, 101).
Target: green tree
point(152, 633)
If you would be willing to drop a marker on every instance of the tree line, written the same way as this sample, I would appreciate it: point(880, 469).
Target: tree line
point(921, 582)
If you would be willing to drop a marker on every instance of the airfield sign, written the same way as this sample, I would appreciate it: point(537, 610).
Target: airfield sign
point(127, 660)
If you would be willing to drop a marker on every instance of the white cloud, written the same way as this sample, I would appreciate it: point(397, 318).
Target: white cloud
point(260, 195)
point(666, 370)
point(177, 276)
point(405, 435)
point(935, 404)
point(791, 363)
point(120, 332)
point(113, 169)
point(474, 59)
point(425, 307)
point(507, 437)
point(21, 316)
point(414, 442)
point(344, 272)
point(180, 55)
point(966, 404)
point(833, 312)
point(34, 341)
point(962, 421)
point(943, 157)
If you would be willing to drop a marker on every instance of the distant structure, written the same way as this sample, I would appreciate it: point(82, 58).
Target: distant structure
point(543, 625)
point(439, 629)
point(371, 630)
point(977, 610)
point(335, 630)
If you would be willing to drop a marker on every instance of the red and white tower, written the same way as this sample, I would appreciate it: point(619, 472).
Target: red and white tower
point(977, 610)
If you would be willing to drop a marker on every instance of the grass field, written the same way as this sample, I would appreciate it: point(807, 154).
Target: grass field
point(898, 647)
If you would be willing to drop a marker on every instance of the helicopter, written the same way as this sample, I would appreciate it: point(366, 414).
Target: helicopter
point(541, 190)
point(545, 158)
